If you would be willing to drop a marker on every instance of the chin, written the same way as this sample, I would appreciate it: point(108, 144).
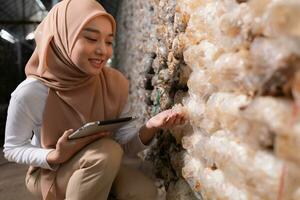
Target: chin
point(95, 72)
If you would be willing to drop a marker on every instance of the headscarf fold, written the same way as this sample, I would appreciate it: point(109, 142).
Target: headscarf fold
point(74, 97)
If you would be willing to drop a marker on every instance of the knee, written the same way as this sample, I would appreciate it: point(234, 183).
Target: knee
point(105, 153)
point(113, 153)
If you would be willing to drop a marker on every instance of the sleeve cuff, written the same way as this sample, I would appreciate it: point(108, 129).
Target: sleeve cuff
point(145, 146)
point(46, 165)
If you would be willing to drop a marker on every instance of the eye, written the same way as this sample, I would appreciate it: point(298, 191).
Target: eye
point(109, 43)
point(90, 39)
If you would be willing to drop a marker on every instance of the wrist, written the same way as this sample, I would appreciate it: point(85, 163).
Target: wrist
point(147, 133)
point(53, 158)
point(151, 127)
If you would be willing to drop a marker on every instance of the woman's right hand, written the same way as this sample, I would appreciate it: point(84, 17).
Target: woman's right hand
point(66, 148)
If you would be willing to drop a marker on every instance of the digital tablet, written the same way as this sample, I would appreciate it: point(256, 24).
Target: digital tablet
point(101, 126)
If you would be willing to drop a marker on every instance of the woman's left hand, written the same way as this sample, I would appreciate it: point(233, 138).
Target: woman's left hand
point(166, 119)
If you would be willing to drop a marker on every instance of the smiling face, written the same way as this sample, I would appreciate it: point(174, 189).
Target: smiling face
point(93, 46)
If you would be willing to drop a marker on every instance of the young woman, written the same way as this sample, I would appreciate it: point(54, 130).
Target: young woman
point(68, 85)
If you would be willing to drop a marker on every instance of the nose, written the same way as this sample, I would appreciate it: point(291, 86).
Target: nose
point(101, 48)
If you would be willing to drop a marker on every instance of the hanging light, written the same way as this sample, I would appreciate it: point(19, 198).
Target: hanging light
point(7, 36)
point(30, 36)
point(40, 4)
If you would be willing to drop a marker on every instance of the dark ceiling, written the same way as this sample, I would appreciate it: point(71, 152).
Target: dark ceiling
point(20, 17)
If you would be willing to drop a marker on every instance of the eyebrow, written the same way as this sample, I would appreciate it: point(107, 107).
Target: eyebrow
point(95, 31)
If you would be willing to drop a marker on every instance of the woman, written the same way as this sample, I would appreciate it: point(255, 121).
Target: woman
point(67, 86)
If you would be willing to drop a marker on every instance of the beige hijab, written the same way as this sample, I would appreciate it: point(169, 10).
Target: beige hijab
point(74, 97)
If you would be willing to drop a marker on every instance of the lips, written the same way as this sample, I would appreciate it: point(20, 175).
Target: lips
point(96, 62)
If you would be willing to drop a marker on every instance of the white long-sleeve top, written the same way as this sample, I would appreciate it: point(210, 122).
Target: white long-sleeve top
point(24, 119)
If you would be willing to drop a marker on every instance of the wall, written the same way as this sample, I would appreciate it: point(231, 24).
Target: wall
point(233, 65)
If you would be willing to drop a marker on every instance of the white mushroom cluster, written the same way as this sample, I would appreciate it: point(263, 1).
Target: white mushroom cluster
point(233, 67)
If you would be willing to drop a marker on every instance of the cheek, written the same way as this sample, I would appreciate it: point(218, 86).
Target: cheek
point(109, 52)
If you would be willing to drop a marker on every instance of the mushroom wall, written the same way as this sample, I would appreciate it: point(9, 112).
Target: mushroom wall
point(233, 67)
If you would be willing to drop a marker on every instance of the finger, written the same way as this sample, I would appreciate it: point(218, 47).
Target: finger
point(170, 122)
point(174, 116)
point(170, 116)
point(166, 119)
point(64, 139)
point(177, 120)
point(182, 120)
point(67, 133)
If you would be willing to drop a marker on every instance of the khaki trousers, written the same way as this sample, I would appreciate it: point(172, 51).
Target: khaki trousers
point(94, 173)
